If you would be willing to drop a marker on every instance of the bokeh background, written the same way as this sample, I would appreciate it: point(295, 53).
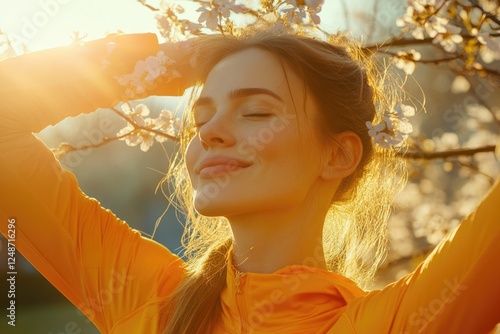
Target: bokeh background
point(124, 179)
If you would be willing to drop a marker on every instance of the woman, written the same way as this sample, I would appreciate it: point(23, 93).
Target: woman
point(277, 146)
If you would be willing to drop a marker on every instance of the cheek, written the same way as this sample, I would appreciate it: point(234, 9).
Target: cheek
point(296, 153)
point(282, 158)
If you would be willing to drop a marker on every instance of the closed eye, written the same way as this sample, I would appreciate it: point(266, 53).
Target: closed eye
point(257, 111)
point(259, 115)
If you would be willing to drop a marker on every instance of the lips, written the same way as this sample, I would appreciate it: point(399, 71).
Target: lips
point(218, 165)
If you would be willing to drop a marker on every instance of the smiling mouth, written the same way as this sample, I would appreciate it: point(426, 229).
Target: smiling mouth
point(220, 165)
point(221, 169)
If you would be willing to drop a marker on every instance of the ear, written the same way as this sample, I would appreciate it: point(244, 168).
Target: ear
point(343, 156)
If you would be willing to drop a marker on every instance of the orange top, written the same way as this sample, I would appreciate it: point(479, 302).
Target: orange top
point(119, 279)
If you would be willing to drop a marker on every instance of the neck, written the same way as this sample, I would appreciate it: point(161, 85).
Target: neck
point(265, 242)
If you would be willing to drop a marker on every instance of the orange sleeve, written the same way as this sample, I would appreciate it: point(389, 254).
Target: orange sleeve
point(96, 260)
point(455, 290)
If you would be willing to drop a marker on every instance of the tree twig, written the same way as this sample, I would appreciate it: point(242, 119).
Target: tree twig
point(137, 126)
point(106, 140)
point(154, 9)
point(487, 14)
point(398, 41)
point(475, 169)
point(426, 61)
point(461, 152)
point(490, 71)
point(484, 103)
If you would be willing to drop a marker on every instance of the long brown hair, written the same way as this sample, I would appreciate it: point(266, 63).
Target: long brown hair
point(349, 91)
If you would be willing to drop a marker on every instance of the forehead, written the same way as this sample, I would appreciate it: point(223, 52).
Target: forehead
point(252, 68)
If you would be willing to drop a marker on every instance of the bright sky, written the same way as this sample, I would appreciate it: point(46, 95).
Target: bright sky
point(47, 23)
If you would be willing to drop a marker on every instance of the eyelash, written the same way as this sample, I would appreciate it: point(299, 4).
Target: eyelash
point(262, 114)
point(257, 111)
point(259, 115)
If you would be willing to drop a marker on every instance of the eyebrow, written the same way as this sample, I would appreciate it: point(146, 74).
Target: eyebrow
point(238, 94)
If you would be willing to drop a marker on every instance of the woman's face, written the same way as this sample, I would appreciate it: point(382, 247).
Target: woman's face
point(257, 148)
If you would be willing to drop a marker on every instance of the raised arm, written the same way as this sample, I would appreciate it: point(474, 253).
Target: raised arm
point(97, 261)
point(68, 81)
point(455, 290)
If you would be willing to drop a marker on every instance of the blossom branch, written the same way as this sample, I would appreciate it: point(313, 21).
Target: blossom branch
point(437, 61)
point(490, 71)
point(143, 2)
point(421, 155)
point(399, 41)
point(426, 61)
point(475, 169)
point(143, 128)
point(65, 148)
point(487, 14)
point(483, 101)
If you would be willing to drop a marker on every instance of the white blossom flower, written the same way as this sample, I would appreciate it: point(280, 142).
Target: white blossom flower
point(418, 32)
point(426, 4)
point(294, 15)
point(129, 135)
point(405, 126)
point(404, 111)
point(406, 60)
point(447, 141)
point(436, 25)
point(224, 8)
point(145, 74)
point(164, 24)
point(297, 11)
point(144, 130)
point(420, 17)
point(177, 125)
point(315, 18)
point(209, 17)
point(374, 129)
point(490, 6)
point(217, 9)
point(487, 55)
point(190, 27)
point(140, 110)
point(133, 136)
point(409, 22)
point(490, 48)
point(170, 25)
point(460, 85)
point(165, 124)
point(394, 128)
point(147, 142)
point(449, 39)
point(154, 67)
point(315, 5)
point(147, 137)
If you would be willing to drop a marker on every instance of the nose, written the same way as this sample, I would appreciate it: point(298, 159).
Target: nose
point(217, 132)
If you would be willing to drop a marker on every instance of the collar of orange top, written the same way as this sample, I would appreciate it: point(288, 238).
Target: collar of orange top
point(293, 298)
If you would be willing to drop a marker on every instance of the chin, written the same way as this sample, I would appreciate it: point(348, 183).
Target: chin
point(207, 207)
point(215, 208)
point(209, 212)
